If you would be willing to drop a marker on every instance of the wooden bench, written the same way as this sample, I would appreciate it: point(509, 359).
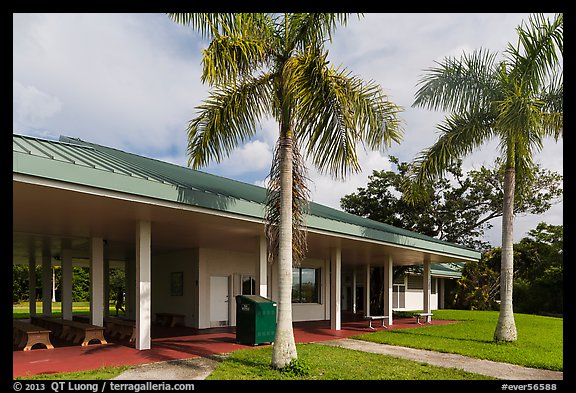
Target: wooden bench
point(123, 328)
point(371, 318)
point(25, 335)
point(427, 316)
point(169, 319)
point(77, 332)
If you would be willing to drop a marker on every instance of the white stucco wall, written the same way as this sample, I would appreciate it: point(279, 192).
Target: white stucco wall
point(162, 300)
point(223, 263)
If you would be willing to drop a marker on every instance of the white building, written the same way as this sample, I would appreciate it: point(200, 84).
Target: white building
point(191, 241)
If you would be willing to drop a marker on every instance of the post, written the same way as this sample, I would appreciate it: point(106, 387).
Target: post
point(367, 288)
point(426, 289)
point(97, 281)
point(32, 282)
point(143, 285)
point(262, 267)
point(354, 307)
point(67, 284)
point(46, 282)
point(388, 274)
point(335, 288)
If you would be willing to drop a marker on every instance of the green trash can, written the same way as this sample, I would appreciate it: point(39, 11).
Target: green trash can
point(255, 320)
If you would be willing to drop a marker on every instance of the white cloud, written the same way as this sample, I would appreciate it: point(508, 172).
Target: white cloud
point(132, 81)
point(31, 107)
point(327, 191)
point(254, 156)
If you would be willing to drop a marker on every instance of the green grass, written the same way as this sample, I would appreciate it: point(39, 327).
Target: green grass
point(21, 310)
point(539, 344)
point(332, 363)
point(103, 373)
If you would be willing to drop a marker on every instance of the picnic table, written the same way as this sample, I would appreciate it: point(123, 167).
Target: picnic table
point(25, 335)
point(169, 319)
point(123, 328)
point(77, 332)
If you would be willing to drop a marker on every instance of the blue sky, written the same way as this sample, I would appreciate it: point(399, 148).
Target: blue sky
point(132, 81)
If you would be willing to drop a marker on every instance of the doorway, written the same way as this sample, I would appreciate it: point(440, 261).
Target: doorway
point(219, 301)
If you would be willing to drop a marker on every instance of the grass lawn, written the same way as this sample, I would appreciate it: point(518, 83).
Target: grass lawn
point(332, 363)
point(21, 310)
point(539, 344)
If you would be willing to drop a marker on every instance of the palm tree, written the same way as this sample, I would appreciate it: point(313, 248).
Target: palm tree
point(276, 65)
point(517, 100)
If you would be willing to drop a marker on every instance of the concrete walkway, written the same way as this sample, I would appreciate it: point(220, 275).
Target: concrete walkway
point(200, 368)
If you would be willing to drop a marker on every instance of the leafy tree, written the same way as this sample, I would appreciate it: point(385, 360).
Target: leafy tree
point(517, 100)
point(480, 283)
point(276, 65)
point(538, 262)
point(459, 208)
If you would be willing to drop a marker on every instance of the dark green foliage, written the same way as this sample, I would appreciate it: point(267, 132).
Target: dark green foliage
point(296, 368)
point(458, 208)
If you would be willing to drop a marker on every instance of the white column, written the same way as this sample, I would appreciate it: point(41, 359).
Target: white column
point(32, 282)
point(354, 292)
point(97, 281)
point(440, 292)
point(335, 288)
point(367, 289)
point(106, 294)
point(388, 279)
point(66, 283)
point(143, 285)
point(46, 283)
point(426, 288)
point(262, 268)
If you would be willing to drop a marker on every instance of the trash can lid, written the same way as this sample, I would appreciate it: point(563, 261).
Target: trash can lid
point(255, 298)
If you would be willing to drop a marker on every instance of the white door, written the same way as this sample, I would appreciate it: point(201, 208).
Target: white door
point(219, 301)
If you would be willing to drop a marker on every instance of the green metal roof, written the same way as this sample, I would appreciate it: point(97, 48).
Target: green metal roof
point(75, 161)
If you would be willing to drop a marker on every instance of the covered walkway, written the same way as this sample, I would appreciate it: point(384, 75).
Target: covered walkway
point(174, 344)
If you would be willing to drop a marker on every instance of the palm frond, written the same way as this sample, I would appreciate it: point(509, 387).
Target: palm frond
point(539, 47)
point(229, 59)
point(336, 111)
point(312, 29)
point(226, 118)
point(466, 84)
point(460, 134)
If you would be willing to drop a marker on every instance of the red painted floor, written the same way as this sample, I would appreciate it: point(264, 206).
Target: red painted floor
point(171, 344)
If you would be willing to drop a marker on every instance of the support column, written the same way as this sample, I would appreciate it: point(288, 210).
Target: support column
point(143, 285)
point(106, 294)
point(367, 289)
point(32, 283)
point(262, 268)
point(46, 283)
point(335, 289)
point(388, 275)
point(426, 289)
point(97, 281)
point(440, 292)
point(66, 284)
point(354, 307)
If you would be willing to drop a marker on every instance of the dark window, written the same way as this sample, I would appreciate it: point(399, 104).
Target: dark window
point(305, 285)
point(248, 285)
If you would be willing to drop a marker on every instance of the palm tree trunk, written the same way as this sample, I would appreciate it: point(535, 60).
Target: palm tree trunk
point(506, 327)
point(284, 347)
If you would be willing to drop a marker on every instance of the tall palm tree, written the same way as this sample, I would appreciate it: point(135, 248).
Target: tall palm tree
point(517, 100)
point(276, 65)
